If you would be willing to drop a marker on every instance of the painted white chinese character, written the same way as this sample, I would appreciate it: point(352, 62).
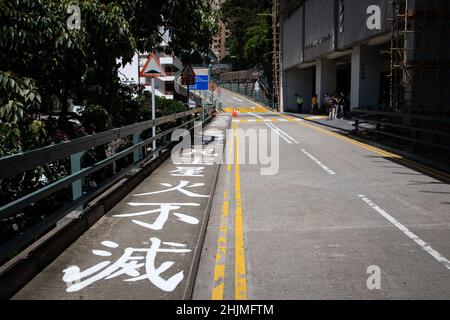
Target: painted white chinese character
point(197, 156)
point(164, 211)
point(129, 264)
point(206, 153)
point(181, 188)
point(188, 172)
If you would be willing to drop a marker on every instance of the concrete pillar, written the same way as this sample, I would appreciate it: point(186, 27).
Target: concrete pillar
point(365, 89)
point(326, 77)
point(297, 81)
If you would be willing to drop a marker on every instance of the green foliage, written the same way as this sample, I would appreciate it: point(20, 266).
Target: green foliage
point(191, 24)
point(167, 107)
point(80, 66)
point(19, 102)
point(45, 67)
point(250, 39)
point(96, 118)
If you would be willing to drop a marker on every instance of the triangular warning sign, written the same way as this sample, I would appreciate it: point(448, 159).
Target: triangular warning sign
point(152, 68)
point(188, 71)
point(188, 76)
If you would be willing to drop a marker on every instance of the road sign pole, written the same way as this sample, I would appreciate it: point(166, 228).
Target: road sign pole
point(154, 115)
point(188, 104)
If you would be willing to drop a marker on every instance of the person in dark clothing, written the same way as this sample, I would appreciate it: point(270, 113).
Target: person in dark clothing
point(300, 103)
point(340, 107)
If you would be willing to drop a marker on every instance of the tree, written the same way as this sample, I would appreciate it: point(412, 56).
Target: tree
point(80, 66)
point(45, 67)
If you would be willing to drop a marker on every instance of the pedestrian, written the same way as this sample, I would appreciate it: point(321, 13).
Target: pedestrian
point(300, 102)
point(341, 104)
point(333, 107)
point(326, 103)
point(315, 104)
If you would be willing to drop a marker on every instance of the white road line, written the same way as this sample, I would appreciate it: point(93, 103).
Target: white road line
point(324, 167)
point(425, 246)
point(283, 120)
point(283, 133)
point(255, 115)
point(234, 97)
point(251, 120)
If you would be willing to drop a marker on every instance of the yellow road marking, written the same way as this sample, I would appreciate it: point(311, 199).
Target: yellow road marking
point(240, 291)
point(386, 154)
point(258, 109)
point(316, 117)
point(260, 120)
point(220, 262)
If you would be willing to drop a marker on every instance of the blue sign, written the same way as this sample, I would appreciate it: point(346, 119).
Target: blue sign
point(201, 83)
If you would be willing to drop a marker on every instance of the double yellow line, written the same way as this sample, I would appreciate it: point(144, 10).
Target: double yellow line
point(240, 278)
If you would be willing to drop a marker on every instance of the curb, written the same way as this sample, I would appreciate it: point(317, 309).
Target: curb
point(188, 294)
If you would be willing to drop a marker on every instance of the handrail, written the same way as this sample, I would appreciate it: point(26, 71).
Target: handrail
point(197, 94)
point(242, 89)
point(381, 119)
point(22, 162)
point(401, 115)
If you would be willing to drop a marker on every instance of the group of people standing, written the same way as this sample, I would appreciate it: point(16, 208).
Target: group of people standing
point(333, 105)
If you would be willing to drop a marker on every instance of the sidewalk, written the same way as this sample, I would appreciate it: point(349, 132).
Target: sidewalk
point(338, 124)
point(148, 246)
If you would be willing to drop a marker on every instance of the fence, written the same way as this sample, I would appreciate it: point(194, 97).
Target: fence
point(74, 151)
point(247, 90)
point(417, 130)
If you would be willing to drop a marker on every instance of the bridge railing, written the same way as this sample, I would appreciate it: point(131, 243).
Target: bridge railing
point(417, 130)
point(247, 90)
point(199, 96)
point(137, 150)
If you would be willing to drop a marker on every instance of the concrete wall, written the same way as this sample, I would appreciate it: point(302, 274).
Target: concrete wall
point(365, 87)
point(297, 81)
point(326, 77)
point(292, 40)
point(352, 21)
point(319, 28)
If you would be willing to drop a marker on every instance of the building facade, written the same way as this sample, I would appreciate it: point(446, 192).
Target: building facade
point(164, 86)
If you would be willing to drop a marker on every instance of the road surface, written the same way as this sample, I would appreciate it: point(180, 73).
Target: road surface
point(340, 220)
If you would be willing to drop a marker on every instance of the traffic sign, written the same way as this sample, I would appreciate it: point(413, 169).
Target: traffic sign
point(152, 68)
point(257, 87)
point(188, 76)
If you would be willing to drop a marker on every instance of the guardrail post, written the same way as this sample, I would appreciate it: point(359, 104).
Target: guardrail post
point(137, 154)
point(75, 166)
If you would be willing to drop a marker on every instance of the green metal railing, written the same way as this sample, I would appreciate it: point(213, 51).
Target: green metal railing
point(199, 96)
point(247, 90)
point(74, 151)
